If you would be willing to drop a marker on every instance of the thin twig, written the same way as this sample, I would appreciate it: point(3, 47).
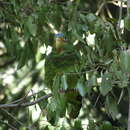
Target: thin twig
point(108, 12)
point(121, 96)
point(97, 100)
point(116, 3)
point(109, 2)
point(100, 8)
point(7, 63)
point(23, 99)
point(27, 96)
point(119, 20)
point(120, 13)
point(9, 125)
point(12, 117)
point(25, 104)
point(78, 73)
point(129, 110)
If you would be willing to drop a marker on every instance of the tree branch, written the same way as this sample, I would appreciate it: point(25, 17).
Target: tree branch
point(13, 117)
point(24, 98)
point(5, 3)
point(119, 20)
point(25, 104)
point(128, 15)
point(11, 61)
point(129, 115)
point(128, 8)
point(9, 125)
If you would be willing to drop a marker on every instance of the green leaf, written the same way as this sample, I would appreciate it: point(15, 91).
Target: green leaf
point(83, 18)
point(80, 38)
point(107, 42)
point(23, 59)
point(125, 61)
point(77, 125)
point(32, 28)
point(61, 105)
point(91, 18)
point(26, 34)
point(123, 78)
point(51, 116)
point(81, 88)
point(64, 82)
point(59, 98)
point(62, 128)
point(91, 125)
point(106, 84)
point(93, 80)
point(127, 23)
point(73, 109)
point(106, 126)
point(26, 54)
point(56, 84)
point(98, 27)
point(14, 36)
point(72, 81)
point(111, 107)
point(46, 128)
point(58, 105)
point(43, 103)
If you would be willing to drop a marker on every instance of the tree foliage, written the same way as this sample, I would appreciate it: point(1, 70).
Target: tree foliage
point(42, 88)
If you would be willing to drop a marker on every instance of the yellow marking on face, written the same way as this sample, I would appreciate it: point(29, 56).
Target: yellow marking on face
point(59, 42)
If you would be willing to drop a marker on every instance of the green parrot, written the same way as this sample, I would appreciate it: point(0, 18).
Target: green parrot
point(62, 60)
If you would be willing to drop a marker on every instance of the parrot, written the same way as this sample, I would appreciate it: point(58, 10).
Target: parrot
point(62, 60)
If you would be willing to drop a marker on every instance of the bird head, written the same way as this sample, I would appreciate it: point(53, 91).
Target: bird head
point(60, 41)
point(60, 37)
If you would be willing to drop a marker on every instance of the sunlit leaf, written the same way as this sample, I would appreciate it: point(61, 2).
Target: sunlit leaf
point(77, 125)
point(85, 81)
point(127, 23)
point(81, 88)
point(46, 128)
point(106, 126)
point(93, 80)
point(43, 103)
point(23, 59)
point(78, 36)
point(51, 116)
point(64, 82)
point(125, 61)
point(32, 28)
point(91, 125)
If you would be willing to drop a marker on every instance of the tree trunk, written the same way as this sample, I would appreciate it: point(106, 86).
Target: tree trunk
point(128, 8)
point(129, 116)
point(128, 14)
